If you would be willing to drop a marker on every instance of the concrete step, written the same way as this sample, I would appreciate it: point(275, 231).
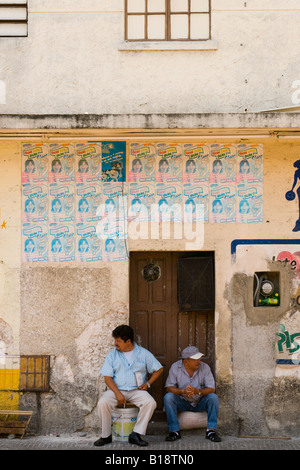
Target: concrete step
point(159, 427)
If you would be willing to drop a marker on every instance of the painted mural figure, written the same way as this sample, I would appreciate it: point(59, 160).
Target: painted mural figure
point(290, 195)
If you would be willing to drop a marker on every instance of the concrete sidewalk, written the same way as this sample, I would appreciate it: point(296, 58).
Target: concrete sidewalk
point(189, 442)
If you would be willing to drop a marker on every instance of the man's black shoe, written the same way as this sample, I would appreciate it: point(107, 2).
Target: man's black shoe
point(102, 441)
point(135, 438)
point(173, 436)
point(212, 435)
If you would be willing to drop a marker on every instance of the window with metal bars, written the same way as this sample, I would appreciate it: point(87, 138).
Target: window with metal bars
point(167, 20)
point(13, 18)
point(34, 373)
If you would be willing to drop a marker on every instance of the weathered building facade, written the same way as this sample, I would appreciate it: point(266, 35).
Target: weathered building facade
point(75, 90)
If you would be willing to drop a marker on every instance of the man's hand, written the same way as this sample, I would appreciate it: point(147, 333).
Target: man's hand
point(119, 396)
point(143, 387)
point(121, 399)
point(152, 379)
point(191, 391)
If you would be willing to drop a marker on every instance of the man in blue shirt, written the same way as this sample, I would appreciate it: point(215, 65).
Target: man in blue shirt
point(125, 371)
point(190, 386)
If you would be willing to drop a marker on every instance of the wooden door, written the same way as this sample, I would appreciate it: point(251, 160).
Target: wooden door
point(155, 316)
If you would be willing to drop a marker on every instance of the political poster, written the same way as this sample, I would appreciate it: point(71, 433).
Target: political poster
point(88, 201)
point(88, 244)
point(222, 203)
point(195, 198)
point(61, 202)
point(114, 201)
point(222, 163)
point(249, 202)
point(61, 163)
point(142, 159)
point(34, 242)
point(35, 202)
point(114, 162)
point(169, 201)
point(141, 198)
point(196, 159)
point(169, 159)
point(114, 243)
point(34, 163)
point(61, 242)
point(88, 162)
point(249, 163)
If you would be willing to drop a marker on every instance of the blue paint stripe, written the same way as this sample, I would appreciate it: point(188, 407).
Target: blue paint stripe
point(276, 241)
point(288, 361)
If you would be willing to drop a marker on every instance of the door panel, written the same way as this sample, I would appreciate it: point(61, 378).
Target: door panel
point(158, 323)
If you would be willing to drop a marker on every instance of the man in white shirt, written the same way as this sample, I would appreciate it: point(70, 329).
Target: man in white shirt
point(120, 370)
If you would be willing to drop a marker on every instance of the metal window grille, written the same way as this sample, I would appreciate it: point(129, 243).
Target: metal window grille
point(167, 20)
point(196, 284)
point(34, 373)
point(13, 18)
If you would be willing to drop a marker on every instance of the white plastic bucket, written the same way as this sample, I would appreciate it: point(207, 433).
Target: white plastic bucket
point(123, 422)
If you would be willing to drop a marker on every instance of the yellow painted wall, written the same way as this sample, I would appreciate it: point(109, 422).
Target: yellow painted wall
point(10, 254)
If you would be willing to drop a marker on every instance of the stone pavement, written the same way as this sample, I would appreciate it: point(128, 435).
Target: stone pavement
point(189, 443)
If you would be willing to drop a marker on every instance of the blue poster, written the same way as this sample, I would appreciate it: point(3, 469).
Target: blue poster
point(114, 161)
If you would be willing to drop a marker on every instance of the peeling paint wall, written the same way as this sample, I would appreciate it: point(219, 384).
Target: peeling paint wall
point(260, 406)
point(68, 312)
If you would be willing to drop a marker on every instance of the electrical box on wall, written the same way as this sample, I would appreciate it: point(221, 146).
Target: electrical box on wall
point(266, 289)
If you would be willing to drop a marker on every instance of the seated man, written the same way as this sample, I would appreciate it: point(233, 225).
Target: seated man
point(119, 371)
point(190, 386)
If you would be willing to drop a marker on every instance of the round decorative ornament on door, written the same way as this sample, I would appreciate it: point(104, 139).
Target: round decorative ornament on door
point(151, 272)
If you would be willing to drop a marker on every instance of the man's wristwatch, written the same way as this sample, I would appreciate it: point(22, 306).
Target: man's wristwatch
point(148, 385)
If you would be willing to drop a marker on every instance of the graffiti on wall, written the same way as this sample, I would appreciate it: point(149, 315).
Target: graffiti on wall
point(288, 253)
point(289, 346)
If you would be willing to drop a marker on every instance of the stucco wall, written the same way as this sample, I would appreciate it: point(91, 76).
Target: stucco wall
point(72, 62)
point(68, 311)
